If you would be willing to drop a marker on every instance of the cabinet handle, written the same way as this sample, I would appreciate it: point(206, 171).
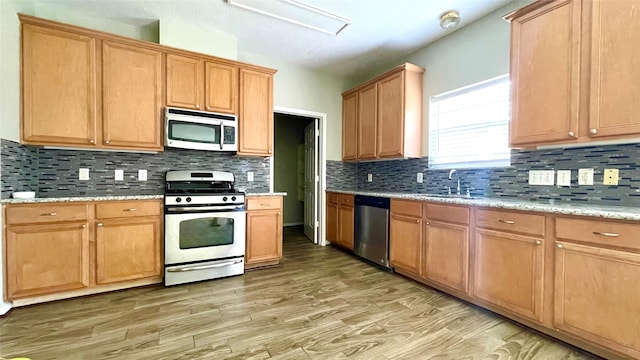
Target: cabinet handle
point(418, 221)
point(208, 107)
point(559, 246)
point(49, 214)
point(593, 131)
point(510, 222)
point(131, 209)
point(572, 134)
point(606, 234)
point(538, 242)
point(99, 224)
point(106, 141)
point(278, 212)
point(269, 151)
point(92, 141)
point(84, 226)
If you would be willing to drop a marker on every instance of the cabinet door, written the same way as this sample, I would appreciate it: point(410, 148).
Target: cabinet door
point(128, 249)
point(332, 223)
point(545, 74)
point(349, 126)
point(391, 116)
point(615, 68)
point(132, 96)
point(185, 82)
point(497, 254)
point(447, 254)
point(597, 296)
point(256, 114)
point(367, 120)
point(405, 243)
point(345, 226)
point(264, 236)
point(45, 259)
point(221, 88)
point(58, 87)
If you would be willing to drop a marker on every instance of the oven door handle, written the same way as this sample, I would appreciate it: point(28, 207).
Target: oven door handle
point(206, 208)
point(204, 267)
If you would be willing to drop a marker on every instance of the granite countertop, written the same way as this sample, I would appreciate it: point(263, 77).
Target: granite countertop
point(267, 194)
point(80, 198)
point(594, 210)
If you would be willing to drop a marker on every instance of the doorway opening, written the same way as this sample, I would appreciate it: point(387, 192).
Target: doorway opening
point(298, 169)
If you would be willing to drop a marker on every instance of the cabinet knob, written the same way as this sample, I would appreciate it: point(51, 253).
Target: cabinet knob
point(197, 106)
point(84, 226)
point(208, 107)
point(572, 134)
point(593, 131)
point(99, 224)
point(269, 151)
point(92, 141)
point(538, 242)
point(418, 221)
point(559, 246)
point(279, 212)
point(107, 141)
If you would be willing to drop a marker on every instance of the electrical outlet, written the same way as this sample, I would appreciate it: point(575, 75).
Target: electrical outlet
point(419, 178)
point(119, 175)
point(250, 176)
point(611, 176)
point(541, 177)
point(142, 175)
point(585, 176)
point(369, 177)
point(563, 178)
point(83, 174)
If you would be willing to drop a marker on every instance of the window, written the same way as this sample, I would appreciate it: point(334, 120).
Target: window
point(469, 127)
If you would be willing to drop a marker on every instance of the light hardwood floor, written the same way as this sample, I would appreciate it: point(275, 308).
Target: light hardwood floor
point(320, 303)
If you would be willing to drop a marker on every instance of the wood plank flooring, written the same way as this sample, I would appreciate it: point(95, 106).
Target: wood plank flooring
point(321, 303)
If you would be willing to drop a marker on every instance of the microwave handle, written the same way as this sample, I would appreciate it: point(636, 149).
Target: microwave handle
point(221, 135)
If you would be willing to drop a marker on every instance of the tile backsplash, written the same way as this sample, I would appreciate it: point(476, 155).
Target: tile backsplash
point(54, 172)
point(507, 182)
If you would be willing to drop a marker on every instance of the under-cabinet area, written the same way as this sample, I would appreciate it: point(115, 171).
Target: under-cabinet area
point(570, 276)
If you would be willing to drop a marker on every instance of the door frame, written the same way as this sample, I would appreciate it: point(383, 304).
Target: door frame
point(321, 118)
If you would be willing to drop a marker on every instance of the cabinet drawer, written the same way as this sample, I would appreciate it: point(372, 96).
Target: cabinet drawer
point(599, 232)
point(264, 203)
point(332, 198)
point(127, 208)
point(511, 221)
point(44, 213)
point(448, 213)
point(346, 200)
point(406, 207)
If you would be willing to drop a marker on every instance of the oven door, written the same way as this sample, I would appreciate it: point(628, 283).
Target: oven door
point(191, 237)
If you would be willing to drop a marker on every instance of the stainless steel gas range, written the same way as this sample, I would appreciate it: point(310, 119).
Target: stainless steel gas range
point(204, 225)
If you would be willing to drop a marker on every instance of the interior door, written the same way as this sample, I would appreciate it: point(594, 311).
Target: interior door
point(310, 183)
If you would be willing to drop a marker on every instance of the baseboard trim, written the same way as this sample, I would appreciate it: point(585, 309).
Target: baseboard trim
point(4, 308)
point(293, 224)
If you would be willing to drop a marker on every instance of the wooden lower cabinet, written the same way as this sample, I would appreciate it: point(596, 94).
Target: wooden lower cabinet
point(340, 220)
point(405, 243)
point(346, 217)
point(446, 259)
point(44, 259)
point(508, 272)
point(264, 231)
point(332, 223)
point(128, 249)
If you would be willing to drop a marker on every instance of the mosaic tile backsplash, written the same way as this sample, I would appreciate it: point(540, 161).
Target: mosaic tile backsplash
point(510, 182)
point(54, 172)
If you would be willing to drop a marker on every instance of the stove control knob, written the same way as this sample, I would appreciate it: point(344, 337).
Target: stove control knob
point(224, 198)
point(178, 199)
point(233, 198)
point(188, 199)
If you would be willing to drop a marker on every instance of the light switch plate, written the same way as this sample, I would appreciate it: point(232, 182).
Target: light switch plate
point(119, 175)
point(250, 176)
point(611, 176)
point(541, 177)
point(142, 175)
point(83, 174)
point(369, 177)
point(419, 178)
point(585, 176)
point(563, 178)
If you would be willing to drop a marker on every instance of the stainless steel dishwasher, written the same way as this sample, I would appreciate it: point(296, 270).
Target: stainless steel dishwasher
point(372, 229)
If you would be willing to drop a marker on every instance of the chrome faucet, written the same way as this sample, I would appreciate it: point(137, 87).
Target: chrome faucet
point(453, 171)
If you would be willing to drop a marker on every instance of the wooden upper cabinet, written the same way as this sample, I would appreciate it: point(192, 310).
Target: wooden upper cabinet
point(349, 126)
point(58, 87)
point(221, 88)
point(185, 82)
point(132, 96)
point(255, 133)
point(545, 73)
point(367, 120)
point(615, 68)
point(388, 116)
point(44, 259)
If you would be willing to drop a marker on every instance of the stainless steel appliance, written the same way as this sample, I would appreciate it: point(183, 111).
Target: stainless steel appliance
point(200, 130)
point(372, 229)
point(204, 226)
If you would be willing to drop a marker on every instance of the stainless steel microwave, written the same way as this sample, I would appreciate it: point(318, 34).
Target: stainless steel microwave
point(200, 130)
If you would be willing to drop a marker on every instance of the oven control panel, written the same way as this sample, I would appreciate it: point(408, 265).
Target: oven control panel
point(204, 199)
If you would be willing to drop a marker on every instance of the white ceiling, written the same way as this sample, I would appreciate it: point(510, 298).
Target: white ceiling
point(381, 32)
